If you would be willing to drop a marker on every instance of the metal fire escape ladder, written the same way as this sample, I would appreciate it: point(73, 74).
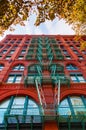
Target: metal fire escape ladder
point(40, 94)
point(58, 78)
point(57, 87)
point(58, 82)
point(38, 80)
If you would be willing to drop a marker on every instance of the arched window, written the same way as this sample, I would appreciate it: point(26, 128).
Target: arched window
point(73, 106)
point(1, 67)
point(21, 108)
point(71, 67)
point(18, 67)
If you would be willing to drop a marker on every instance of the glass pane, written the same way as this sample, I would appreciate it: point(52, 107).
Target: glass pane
point(76, 101)
point(80, 111)
point(64, 103)
point(18, 79)
point(32, 104)
point(73, 77)
point(16, 68)
point(8, 57)
point(18, 105)
point(31, 111)
point(21, 67)
point(18, 102)
point(3, 108)
point(16, 111)
point(12, 51)
point(78, 105)
point(20, 57)
point(23, 51)
point(64, 108)
point(1, 67)
point(10, 79)
point(33, 108)
point(80, 78)
point(64, 111)
point(4, 104)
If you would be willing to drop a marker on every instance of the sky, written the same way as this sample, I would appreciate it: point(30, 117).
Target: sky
point(54, 27)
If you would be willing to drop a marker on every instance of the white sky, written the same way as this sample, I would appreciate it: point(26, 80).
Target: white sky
point(49, 27)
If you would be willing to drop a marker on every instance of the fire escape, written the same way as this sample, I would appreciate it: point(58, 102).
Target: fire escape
point(47, 75)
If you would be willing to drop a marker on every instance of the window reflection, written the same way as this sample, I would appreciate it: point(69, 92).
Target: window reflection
point(75, 104)
point(23, 106)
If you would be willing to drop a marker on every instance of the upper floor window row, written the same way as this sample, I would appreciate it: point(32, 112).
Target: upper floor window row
point(19, 67)
point(12, 41)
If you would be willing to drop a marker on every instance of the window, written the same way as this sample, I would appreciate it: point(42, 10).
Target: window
point(12, 51)
point(4, 51)
point(8, 46)
point(27, 41)
point(14, 78)
point(64, 108)
point(68, 57)
point(78, 47)
point(19, 67)
point(75, 51)
point(80, 57)
point(84, 52)
point(65, 52)
point(23, 51)
point(73, 105)
point(22, 105)
point(12, 41)
point(20, 57)
point(62, 47)
point(1, 46)
point(71, 67)
point(1, 67)
point(8, 57)
point(6, 41)
point(77, 77)
point(19, 41)
point(71, 47)
point(67, 41)
point(58, 41)
point(15, 47)
point(3, 108)
point(25, 47)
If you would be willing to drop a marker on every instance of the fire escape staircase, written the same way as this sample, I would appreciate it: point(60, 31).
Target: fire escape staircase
point(55, 79)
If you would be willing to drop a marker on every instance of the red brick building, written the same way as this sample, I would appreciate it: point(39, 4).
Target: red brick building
point(42, 83)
